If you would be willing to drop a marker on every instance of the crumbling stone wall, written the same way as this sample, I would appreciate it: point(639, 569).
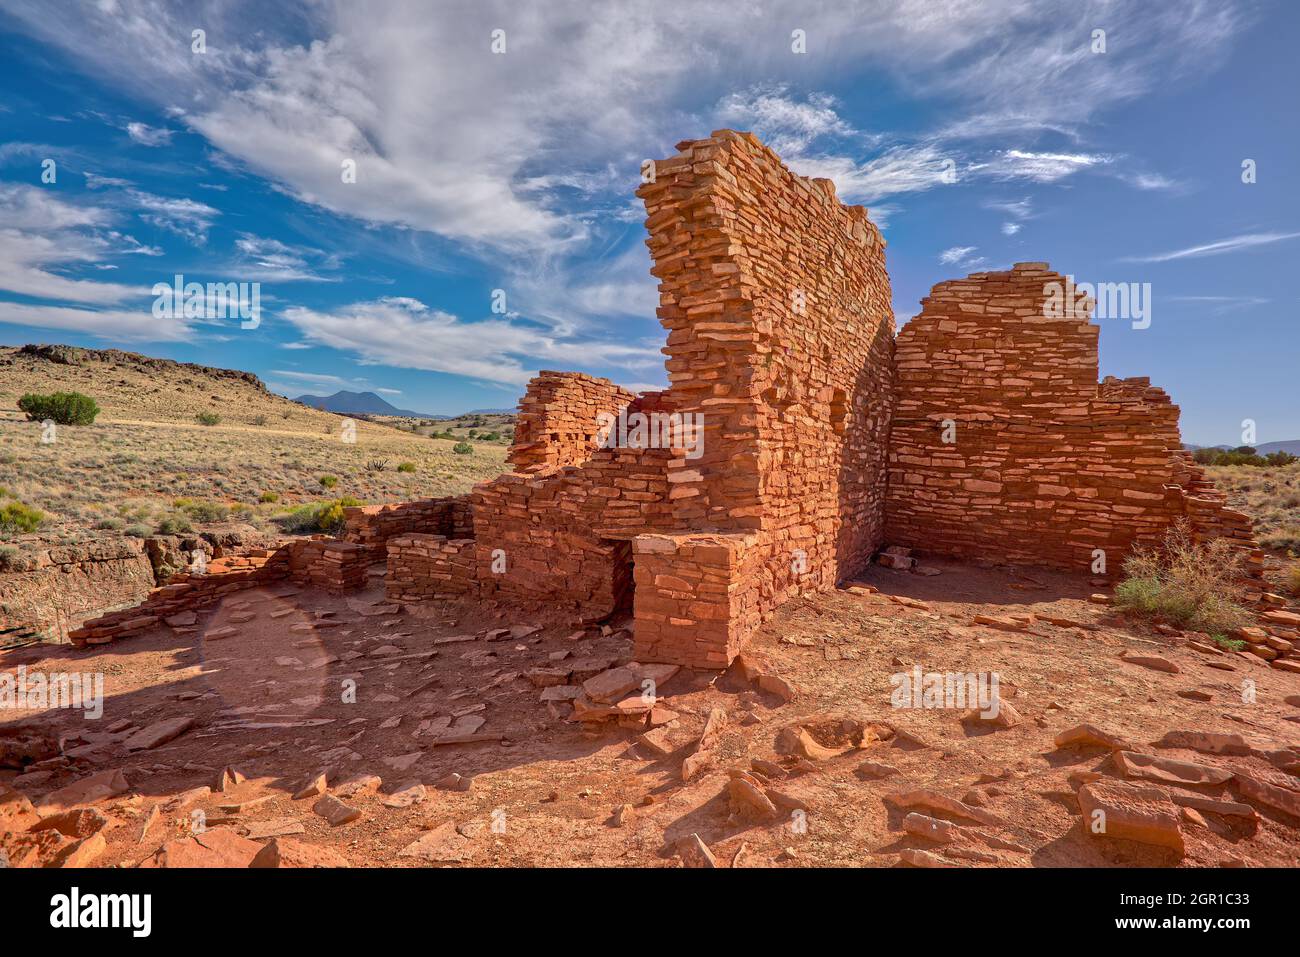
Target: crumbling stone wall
point(557, 422)
point(322, 562)
point(1044, 465)
point(371, 526)
point(778, 310)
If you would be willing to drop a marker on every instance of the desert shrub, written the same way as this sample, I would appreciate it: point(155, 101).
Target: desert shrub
point(1185, 583)
point(65, 408)
point(177, 524)
point(1286, 538)
point(259, 420)
point(328, 481)
point(406, 467)
point(316, 516)
point(204, 512)
point(1243, 455)
point(17, 518)
point(207, 418)
point(267, 497)
point(110, 524)
point(139, 530)
point(462, 448)
point(13, 560)
point(491, 436)
point(377, 465)
point(1230, 644)
point(1293, 579)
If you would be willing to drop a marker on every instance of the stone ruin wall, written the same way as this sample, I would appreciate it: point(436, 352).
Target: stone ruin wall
point(1047, 464)
point(558, 419)
point(822, 439)
point(778, 310)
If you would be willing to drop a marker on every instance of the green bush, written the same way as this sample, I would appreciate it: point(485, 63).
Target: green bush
point(65, 408)
point(205, 512)
point(267, 497)
point(1243, 455)
point(17, 518)
point(1186, 583)
point(208, 418)
point(316, 516)
point(139, 530)
point(406, 467)
point(175, 525)
point(462, 448)
point(328, 481)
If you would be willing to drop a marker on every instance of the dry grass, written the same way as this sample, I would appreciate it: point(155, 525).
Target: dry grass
point(1186, 583)
point(1271, 496)
point(147, 461)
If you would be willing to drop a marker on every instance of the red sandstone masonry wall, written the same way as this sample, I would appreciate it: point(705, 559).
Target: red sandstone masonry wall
point(778, 311)
point(557, 421)
point(371, 526)
point(321, 562)
point(1047, 465)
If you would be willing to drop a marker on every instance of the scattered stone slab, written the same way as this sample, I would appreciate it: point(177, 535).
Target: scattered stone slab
point(275, 827)
point(1154, 662)
point(916, 857)
point(314, 787)
point(78, 822)
point(335, 811)
point(362, 784)
point(933, 801)
point(1090, 736)
point(1261, 792)
point(695, 853)
point(283, 852)
point(96, 787)
point(1225, 808)
point(1135, 765)
point(747, 799)
point(440, 845)
point(407, 795)
point(1142, 814)
point(83, 853)
point(158, 733)
point(1209, 742)
point(215, 847)
point(932, 828)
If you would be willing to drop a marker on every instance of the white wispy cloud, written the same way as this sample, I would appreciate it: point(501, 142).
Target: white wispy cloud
point(147, 135)
point(42, 237)
point(264, 258)
point(406, 333)
point(1218, 248)
point(961, 256)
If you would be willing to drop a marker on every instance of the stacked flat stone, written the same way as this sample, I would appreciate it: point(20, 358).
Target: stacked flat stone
point(1047, 465)
point(557, 420)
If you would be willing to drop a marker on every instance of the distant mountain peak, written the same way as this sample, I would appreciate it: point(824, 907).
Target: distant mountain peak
point(359, 403)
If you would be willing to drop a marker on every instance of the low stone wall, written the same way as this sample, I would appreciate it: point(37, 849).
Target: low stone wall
point(431, 566)
point(696, 598)
point(321, 562)
point(371, 526)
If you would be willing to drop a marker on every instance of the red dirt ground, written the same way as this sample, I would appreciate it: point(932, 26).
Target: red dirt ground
point(552, 788)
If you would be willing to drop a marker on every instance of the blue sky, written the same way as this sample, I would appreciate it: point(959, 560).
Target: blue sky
point(479, 171)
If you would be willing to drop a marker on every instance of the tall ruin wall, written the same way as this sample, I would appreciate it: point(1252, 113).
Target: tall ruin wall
point(778, 310)
point(1004, 446)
